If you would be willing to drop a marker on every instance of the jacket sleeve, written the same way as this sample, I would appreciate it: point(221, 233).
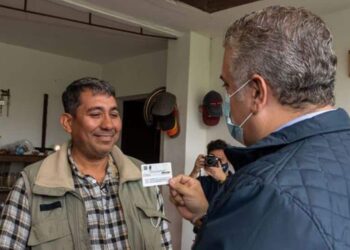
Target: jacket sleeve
point(257, 217)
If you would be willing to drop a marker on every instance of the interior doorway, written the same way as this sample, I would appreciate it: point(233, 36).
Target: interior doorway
point(138, 140)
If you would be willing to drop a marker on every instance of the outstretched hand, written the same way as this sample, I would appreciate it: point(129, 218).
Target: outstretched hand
point(187, 195)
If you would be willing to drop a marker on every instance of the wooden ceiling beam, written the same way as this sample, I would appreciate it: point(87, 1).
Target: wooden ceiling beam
point(212, 6)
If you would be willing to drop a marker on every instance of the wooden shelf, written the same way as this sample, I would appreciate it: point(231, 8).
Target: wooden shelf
point(21, 158)
point(5, 189)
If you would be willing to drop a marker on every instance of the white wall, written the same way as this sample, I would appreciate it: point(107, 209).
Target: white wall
point(29, 74)
point(137, 75)
point(174, 149)
point(196, 131)
point(188, 71)
point(336, 22)
point(198, 85)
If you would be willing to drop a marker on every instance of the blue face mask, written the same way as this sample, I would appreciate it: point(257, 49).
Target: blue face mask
point(234, 129)
point(224, 167)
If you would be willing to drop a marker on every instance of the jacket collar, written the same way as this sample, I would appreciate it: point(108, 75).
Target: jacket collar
point(55, 171)
point(332, 121)
point(127, 169)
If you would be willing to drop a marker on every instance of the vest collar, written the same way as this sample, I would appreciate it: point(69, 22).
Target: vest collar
point(332, 121)
point(127, 169)
point(55, 172)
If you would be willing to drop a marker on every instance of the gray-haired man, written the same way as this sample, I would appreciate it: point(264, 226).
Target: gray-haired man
point(291, 186)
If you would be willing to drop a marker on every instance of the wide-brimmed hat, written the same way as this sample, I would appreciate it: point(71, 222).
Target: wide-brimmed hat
point(160, 109)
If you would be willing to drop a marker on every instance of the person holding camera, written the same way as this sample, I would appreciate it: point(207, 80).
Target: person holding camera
point(215, 165)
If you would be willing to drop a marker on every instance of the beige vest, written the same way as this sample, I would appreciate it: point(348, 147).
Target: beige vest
point(59, 220)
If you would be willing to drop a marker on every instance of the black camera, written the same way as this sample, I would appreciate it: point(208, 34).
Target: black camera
point(211, 161)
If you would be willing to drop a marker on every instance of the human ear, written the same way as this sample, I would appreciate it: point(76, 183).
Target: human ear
point(259, 93)
point(66, 122)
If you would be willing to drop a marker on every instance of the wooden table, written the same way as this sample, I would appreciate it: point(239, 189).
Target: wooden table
point(26, 159)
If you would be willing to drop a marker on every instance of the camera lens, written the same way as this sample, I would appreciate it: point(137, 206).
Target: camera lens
point(211, 160)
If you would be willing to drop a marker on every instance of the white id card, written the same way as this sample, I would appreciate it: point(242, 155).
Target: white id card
point(156, 174)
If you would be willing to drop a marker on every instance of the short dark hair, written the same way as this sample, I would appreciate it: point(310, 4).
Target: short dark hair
point(215, 145)
point(71, 96)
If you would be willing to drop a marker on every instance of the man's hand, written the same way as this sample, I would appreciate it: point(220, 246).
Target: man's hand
point(187, 195)
point(198, 165)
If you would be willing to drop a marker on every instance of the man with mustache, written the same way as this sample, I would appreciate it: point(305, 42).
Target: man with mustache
point(88, 195)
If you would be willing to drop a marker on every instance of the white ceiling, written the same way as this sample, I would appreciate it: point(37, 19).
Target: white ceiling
point(166, 17)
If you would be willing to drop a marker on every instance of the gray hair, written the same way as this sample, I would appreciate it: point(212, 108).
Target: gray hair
point(291, 48)
point(71, 96)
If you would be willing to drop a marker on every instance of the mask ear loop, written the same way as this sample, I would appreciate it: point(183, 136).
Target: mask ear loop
point(229, 120)
point(237, 90)
point(245, 120)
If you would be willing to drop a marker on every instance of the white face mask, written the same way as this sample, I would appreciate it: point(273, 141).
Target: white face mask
point(235, 129)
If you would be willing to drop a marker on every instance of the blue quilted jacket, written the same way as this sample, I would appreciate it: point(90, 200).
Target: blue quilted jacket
point(290, 191)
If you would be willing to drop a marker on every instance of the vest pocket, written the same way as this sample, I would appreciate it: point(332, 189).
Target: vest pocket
point(151, 212)
point(150, 220)
point(51, 233)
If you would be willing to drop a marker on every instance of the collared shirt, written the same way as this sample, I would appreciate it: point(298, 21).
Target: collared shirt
point(106, 223)
point(303, 117)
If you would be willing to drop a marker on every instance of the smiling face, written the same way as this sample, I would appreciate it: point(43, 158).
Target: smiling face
point(95, 127)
